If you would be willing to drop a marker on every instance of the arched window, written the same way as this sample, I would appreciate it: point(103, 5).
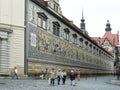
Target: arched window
point(66, 30)
point(81, 42)
point(75, 38)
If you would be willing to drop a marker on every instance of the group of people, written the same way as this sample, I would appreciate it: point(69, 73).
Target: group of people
point(62, 75)
point(59, 75)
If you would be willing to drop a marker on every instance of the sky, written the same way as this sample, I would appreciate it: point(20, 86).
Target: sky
point(96, 13)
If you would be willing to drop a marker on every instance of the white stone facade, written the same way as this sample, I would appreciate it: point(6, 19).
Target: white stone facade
point(11, 25)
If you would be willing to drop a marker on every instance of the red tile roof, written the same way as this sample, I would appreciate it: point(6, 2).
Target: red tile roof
point(97, 39)
point(113, 38)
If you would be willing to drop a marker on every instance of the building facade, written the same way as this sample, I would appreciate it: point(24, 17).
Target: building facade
point(39, 37)
point(11, 35)
point(53, 41)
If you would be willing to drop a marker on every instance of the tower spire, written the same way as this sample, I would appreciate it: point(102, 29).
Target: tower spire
point(82, 25)
point(82, 14)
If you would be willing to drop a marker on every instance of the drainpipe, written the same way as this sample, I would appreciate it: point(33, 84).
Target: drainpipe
point(26, 36)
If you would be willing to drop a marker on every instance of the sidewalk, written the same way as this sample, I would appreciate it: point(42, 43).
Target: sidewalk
point(89, 83)
point(114, 82)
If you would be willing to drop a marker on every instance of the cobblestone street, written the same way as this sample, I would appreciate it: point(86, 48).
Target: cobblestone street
point(90, 83)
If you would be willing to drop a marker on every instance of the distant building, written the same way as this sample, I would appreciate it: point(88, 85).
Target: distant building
point(109, 40)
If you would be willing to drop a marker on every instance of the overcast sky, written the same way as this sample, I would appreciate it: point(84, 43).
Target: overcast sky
point(96, 14)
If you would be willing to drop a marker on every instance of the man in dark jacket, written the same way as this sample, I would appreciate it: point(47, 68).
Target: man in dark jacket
point(72, 78)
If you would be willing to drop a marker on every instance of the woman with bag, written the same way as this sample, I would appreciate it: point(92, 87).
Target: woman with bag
point(64, 75)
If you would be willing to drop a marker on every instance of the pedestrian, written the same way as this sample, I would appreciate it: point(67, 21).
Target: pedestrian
point(72, 78)
point(15, 73)
point(78, 75)
point(42, 75)
point(46, 73)
point(58, 76)
point(64, 75)
point(52, 77)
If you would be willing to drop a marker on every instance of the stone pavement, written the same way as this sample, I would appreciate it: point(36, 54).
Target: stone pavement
point(89, 83)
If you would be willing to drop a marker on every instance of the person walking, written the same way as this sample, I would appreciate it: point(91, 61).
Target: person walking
point(64, 75)
point(46, 73)
point(78, 75)
point(59, 76)
point(72, 78)
point(52, 77)
point(15, 73)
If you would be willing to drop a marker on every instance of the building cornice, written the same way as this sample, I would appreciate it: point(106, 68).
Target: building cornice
point(6, 30)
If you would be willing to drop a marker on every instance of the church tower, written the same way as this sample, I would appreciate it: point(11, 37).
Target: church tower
point(108, 28)
point(82, 24)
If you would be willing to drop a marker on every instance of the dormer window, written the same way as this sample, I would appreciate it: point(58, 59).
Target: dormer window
point(56, 28)
point(42, 20)
point(106, 42)
point(66, 32)
point(56, 6)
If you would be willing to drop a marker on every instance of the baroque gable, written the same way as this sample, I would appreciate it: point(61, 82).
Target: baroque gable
point(54, 6)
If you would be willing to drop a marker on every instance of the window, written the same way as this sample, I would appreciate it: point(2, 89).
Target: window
point(86, 45)
point(44, 24)
point(81, 42)
point(106, 43)
point(56, 7)
point(66, 30)
point(39, 22)
point(42, 20)
point(90, 47)
point(56, 28)
point(74, 38)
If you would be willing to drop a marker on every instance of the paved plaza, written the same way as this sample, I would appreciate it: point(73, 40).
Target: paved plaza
point(89, 83)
